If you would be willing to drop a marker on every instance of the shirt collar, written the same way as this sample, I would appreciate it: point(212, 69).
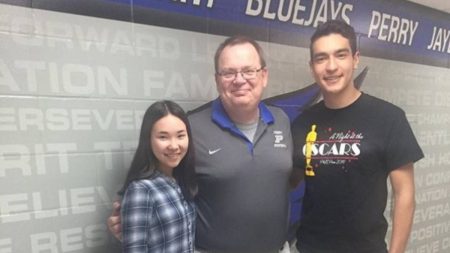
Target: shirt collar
point(220, 117)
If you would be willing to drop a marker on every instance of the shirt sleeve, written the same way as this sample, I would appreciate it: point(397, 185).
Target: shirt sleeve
point(402, 147)
point(136, 213)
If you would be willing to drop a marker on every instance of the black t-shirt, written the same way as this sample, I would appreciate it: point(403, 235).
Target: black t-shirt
point(351, 152)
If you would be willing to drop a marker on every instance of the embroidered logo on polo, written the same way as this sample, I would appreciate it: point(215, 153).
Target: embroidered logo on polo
point(279, 138)
point(330, 147)
point(212, 152)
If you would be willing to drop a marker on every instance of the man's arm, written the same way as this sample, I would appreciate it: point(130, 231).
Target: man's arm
point(114, 223)
point(297, 175)
point(402, 181)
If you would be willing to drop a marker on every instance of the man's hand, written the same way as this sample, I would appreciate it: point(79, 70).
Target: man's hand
point(114, 225)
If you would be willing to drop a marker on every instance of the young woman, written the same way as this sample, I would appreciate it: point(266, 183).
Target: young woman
point(158, 211)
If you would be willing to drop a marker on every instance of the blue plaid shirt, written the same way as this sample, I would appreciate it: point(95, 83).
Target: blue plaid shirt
point(156, 217)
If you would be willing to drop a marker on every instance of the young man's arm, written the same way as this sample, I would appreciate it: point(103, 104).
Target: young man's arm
point(402, 181)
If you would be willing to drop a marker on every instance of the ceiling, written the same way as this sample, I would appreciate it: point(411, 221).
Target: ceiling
point(442, 5)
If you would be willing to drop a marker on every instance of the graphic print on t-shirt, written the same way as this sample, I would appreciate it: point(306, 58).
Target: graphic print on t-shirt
point(310, 140)
point(330, 147)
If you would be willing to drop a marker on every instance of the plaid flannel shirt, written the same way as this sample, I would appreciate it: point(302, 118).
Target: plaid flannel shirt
point(155, 217)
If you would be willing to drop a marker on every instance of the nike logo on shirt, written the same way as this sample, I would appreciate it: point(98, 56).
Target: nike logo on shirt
point(212, 152)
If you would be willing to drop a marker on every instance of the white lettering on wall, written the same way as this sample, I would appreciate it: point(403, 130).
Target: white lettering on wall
point(392, 28)
point(19, 207)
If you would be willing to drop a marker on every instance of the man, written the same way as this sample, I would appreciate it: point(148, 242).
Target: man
point(360, 141)
point(243, 158)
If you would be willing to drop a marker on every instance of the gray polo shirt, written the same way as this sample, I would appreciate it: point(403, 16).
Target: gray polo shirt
point(243, 186)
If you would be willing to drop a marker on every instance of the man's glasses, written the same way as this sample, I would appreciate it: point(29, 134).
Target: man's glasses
point(247, 74)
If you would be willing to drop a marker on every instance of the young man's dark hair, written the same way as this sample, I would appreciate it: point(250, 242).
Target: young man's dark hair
point(337, 27)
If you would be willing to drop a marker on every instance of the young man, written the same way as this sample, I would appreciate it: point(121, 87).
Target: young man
point(359, 141)
point(243, 154)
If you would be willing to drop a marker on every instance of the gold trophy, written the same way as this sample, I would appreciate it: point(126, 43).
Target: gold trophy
point(310, 139)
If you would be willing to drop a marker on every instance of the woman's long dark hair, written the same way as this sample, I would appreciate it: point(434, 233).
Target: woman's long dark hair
point(144, 163)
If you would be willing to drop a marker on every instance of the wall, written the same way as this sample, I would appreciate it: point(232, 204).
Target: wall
point(423, 93)
point(74, 82)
